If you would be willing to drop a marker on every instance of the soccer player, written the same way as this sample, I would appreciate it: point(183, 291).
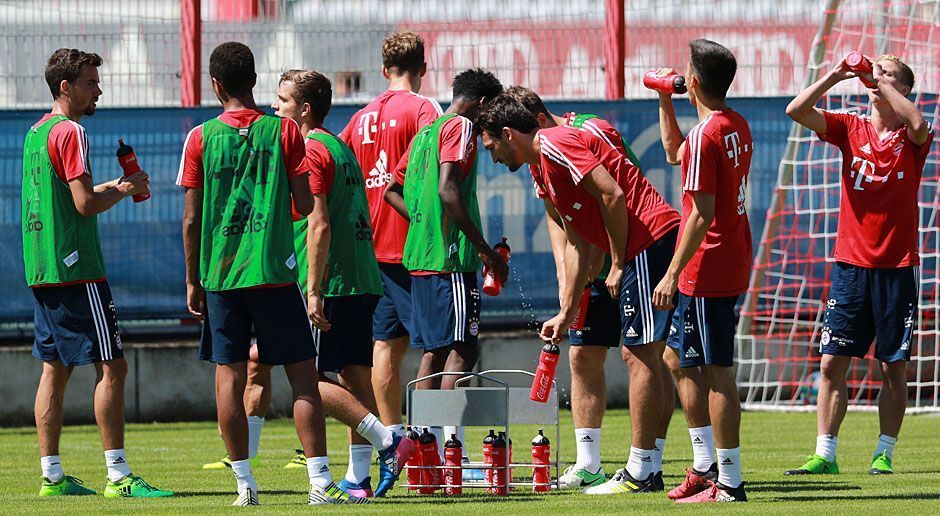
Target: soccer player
point(601, 200)
point(241, 172)
point(874, 292)
point(712, 263)
point(600, 327)
point(75, 321)
point(435, 188)
point(379, 135)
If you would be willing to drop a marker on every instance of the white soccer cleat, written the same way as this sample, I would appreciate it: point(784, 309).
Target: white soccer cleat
point(332, 495)
point(245, 498)
point(577, 477)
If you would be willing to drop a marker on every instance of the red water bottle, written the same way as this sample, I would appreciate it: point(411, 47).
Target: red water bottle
point(859, 64)
point(430, 476)
point(499, 481)
point(671, 83)
point(579, 319)
point(491, 284)
point(414, 472)
point(453, 475)
point(488, 456)
point(545, 374)
point(128, 161)
point(541, 458)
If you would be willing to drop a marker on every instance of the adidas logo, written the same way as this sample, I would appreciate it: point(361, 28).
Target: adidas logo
point(631, 332)
point(727, 462)
point(647, 459)
point(119, 460)
point(324, 469)
point(697, 440)
point(691, 353)
point(587, 439)
point(865, 148)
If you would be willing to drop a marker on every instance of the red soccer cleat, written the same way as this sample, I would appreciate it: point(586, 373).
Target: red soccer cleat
point(694, 483)
point(717, 493)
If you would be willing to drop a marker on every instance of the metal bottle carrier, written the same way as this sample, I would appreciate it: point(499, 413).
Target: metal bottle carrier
point(498, 405)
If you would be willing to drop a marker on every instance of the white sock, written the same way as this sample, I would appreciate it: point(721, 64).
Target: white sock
point(826, 446)
point(588, 442)
point(886, 444)
point(360, 458)
point(398, 429)
point(658, 451)
point(640, 464)
point(117, 464)
point(242, 471)
point(255, 424)
point(318, 469)
point(703, 445)
point(371, 428)
point(729, 467)
point(51, 467)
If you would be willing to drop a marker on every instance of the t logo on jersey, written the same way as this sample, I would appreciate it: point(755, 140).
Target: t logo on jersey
point(368, 126)
point(865, 171)
point(733, 144)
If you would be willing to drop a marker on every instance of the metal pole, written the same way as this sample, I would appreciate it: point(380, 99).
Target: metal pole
point(615, 42)
point(190, 52)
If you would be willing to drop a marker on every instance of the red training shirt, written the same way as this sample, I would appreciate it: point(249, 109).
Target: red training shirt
point(322, 168)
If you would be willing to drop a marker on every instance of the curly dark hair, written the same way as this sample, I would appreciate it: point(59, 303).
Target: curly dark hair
point(66, 64)
point(714, 65)
point(233, 65)
point(506, 111)
point(475, 84)
point(529, 99)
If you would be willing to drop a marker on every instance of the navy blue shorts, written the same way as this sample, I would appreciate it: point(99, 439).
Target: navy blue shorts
point(602, 325)
point(392, 318)
point(641, 322)
point(445, 309)
point(349, 340)
point(703, 329)
point(278, 316)
point(866, 304)
point(76, 324)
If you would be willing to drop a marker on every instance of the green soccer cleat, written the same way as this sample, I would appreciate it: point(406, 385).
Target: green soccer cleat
point(67, 486)
point(226, 463)
point(580, 478)
point(133, 486)
point(299, 460)
point(815, 465)
point(332, 495)
point(881, 465)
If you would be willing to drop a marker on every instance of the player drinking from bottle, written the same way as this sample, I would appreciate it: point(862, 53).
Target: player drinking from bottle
point(378, 135)
point(874, 291)
point(712, 263)
point(435, 188)
point(75, 321)
point(601, 200)
point(242, 171)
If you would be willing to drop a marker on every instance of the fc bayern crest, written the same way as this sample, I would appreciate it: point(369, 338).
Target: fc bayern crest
point(474, 328)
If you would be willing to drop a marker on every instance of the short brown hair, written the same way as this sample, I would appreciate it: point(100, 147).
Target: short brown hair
point(905, 75)
point(312, 88)
point(403, 52)
point(529, 99)
point(66, 64)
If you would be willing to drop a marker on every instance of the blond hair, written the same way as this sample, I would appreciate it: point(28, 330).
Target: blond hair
point(403, 52)
point(905, 75)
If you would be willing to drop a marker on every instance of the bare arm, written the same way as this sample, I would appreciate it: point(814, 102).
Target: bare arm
point(395, 195)
point(673, 141)
point(300, 192)
point(613, 206)
point(92, 200)
point(556, 235)
point(700, 219)
point(192, 242)
point(917, 128)
point(802, 109)
point(576, 264)
point(319, 235)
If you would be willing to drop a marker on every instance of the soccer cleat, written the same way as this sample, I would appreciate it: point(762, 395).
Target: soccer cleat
point(247, 497)
point(658, 484)
point(133, 486)
point(580, 478)
point(225, 463)
point(815, 465)
point(622, 483)
point(717, 493)
point(695, 482)
point(391, 462)
point(881, 465)
point(361, 490)
point(66, 486)
point(332, 495)
point(299, 460)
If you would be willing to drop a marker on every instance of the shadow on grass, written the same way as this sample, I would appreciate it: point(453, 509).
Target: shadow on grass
point(854, 498)
point(232, 493)
point(785, 486)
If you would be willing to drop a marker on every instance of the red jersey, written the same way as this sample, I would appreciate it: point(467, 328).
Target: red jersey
point(717, 161)
point(292, 144)
point(567, 155)
point(878, 213)
point(68, 149)
point(322, 168)
point(379, 135)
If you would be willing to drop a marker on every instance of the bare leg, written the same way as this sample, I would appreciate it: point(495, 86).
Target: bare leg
point(893, 398)
point(832, 401)
point(387, 357)
point(308, 408)
point(693, 395)
point(645, 364)
point(588, 385)
point(432, 361)
point(462, 357)
point(669, 397)
point(341, 404)
point(358, 380)
point(258, 388)
point(724, 406)
point(48, 407)
point(230, 380)
point(109, 402)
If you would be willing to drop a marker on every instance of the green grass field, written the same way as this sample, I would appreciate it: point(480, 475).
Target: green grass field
point(170, 455)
